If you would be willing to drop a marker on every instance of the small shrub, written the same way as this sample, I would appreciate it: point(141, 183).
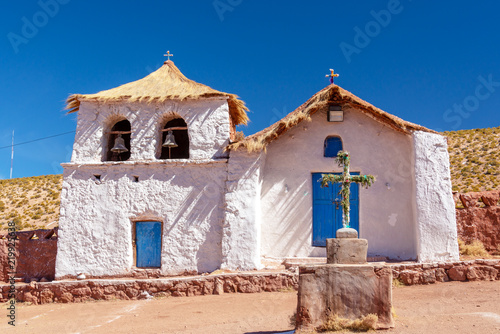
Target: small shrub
point(475, 248)
point(397, 283)
point(335, 323)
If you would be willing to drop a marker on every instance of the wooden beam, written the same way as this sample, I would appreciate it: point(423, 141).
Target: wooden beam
point(175, 128)
point(120, 132)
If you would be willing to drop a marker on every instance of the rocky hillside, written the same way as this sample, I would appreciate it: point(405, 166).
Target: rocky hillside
point(31, 202)
point(474, 159)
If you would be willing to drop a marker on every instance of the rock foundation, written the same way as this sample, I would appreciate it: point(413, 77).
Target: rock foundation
point(88, 290)
point(474, 270)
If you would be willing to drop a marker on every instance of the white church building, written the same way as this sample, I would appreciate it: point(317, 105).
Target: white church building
point(159, 179)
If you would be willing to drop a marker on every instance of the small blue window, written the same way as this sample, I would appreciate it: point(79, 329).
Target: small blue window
point(332, 146)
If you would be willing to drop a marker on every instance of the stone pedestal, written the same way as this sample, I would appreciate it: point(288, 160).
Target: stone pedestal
point(346, 286)
point(350, 291)
point(346, 251)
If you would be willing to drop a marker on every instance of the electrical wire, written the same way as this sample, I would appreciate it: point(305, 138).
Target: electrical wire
point(35, 140)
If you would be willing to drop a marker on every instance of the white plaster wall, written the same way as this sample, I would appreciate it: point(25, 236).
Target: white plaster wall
point(207, 121)
point(387, 213)
point(95, 227)
point(242, 225)
point(436, 220)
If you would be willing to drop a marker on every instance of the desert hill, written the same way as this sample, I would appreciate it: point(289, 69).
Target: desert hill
point(30, 202)
point(474, 159)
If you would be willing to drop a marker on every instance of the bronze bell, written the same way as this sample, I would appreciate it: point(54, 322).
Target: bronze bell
point(170, 140)
point(119, 145)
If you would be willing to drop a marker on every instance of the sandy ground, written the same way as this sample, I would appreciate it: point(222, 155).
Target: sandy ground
point(454, 307)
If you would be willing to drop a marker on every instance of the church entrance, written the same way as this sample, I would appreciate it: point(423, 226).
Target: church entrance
point(327, 212)
point(148, 244)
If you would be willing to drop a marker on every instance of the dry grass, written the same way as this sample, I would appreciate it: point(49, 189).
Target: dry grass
point(474, 159)
point(474, 249)
point(166, 83)
point(335, 324)
point(397, 283)
point(31, 202)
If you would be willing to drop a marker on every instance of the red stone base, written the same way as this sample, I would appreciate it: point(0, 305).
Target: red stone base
point(87, 290)
point(427, 273)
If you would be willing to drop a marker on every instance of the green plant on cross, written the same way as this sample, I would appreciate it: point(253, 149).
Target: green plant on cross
point(345, 179)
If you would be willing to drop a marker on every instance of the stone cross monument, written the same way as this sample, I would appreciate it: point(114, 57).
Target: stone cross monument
point(347, 286)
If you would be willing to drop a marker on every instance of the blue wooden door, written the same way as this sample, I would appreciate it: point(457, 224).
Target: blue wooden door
point(327, 212)
point(148, 244)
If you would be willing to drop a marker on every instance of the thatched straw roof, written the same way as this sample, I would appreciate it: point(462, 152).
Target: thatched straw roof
point(166, 83)
point(320, 101)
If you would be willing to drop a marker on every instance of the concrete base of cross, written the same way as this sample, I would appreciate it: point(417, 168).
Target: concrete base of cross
point(347, 290)
point(346, 248)
point(346, 286)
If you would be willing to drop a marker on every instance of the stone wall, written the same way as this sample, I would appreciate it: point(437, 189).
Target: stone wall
point(87, 290)
point(427, 273)
point(35, 255)
point(480, 218)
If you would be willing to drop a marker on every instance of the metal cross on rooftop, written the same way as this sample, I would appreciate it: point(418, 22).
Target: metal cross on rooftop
point(332, 75)
point(168, 55)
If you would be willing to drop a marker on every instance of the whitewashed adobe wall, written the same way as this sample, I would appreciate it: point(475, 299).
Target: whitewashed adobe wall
point(95, 234)
point(96, 220)
point(387, 213)
point(242, 223)
point(207, 121)
point(436, 220)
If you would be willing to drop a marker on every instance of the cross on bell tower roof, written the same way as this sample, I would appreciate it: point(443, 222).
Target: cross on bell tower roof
point(168, 55)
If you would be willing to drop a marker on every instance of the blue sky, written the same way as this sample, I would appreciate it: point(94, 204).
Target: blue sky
point(429, 62)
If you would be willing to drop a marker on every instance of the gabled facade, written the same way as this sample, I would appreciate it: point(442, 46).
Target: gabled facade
point(213, 203)
point(408, 214)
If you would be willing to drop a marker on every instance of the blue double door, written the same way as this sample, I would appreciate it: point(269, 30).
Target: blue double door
point(148, 244)
point(327, 211)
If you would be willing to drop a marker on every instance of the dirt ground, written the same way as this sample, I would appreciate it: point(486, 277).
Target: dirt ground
point(444, 308)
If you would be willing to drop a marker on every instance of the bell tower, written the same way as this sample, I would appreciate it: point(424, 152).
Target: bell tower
point(157, 146)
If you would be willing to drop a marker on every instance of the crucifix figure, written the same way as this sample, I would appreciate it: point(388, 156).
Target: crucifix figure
point(168, 55)
point(332, 75)
point(346, 178)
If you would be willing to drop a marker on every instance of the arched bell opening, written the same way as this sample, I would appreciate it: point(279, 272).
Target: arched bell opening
point(119, 142)
point(175, 140)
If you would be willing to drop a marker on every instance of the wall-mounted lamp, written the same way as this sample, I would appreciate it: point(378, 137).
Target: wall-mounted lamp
point(388, 186)
point(335, 114)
